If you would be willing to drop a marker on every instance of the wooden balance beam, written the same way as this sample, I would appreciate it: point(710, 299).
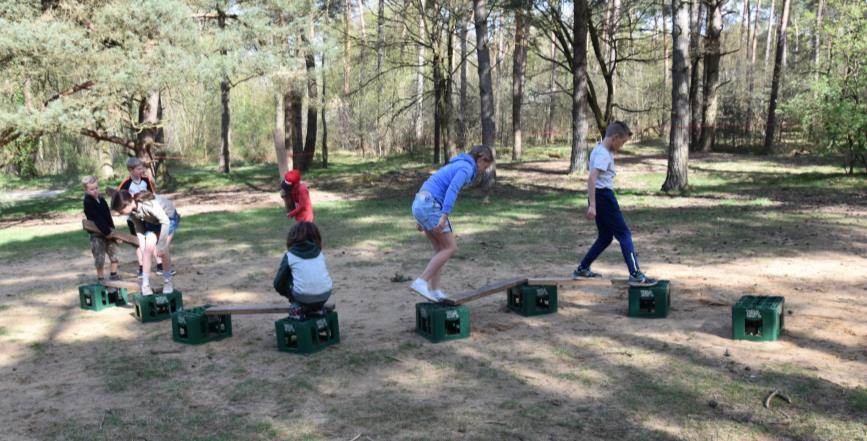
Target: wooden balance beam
point(254, 308)
point(126, 284)
point(91, 227)
point(493, 288)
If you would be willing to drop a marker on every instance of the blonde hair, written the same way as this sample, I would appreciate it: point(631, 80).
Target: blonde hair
point(134, 162)
point(88, 180)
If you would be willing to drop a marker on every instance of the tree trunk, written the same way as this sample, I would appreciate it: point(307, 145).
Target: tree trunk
point(292, 107)
point(711, 75)
point(438, 98)
point(775, 81)
point(147, 136)
point(380, 48)
point(666, 69)
point(580, 19)
point(695, 122)
point(224, 126)
point(817, 46)
point(498, 72)
point(312, 111)
point(770, 33)
point(745, 28)
point(419, 91)
point(518, 67)
point(678, 148)
point(448, 95)
point(552, 90)
point(751, 71)
point(280, 136)
point(613, 29)
point(324, 121)
point(484, 68)
point(462, 112)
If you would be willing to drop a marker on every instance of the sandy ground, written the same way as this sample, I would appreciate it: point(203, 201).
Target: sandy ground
point(48, 342)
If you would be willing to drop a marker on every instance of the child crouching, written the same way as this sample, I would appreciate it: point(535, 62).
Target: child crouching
point(303, 277)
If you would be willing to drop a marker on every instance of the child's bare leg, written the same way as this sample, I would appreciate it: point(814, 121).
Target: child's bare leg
point(114, 267)
point(433, 283)
point(150, 243)
point(448, 247)
point(100, 273)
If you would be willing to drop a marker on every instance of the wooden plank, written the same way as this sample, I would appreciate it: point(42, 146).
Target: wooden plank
point(560, 281)
point(493, 288)
point(128, 284)
point(265, 308)
point(91, 227)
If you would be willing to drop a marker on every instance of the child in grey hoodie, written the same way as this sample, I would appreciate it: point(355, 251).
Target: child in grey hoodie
point(303, 277)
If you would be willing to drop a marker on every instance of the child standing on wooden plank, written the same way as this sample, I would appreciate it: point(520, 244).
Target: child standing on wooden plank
point(156, 219)
point(96, 210)
point(603, 207)
point(136, 183)
point(296, 197)
point(431, 208)
point(303, 276)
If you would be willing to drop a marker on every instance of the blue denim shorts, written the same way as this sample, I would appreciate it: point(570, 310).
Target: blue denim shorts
point(427, 212)
point(155, 228)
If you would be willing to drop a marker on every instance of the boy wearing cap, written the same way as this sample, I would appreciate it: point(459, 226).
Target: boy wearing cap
point(296, 197)
point(603, 207)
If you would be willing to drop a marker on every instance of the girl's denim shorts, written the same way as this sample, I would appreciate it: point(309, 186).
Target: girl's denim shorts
point(155, 228)
point(427, 212)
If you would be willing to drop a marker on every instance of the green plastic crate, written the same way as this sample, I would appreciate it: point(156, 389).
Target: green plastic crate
point(758, 318)
point(96, 297)
point(157, 307)
point(307, 336)
point(438, 322)
point(192, 326)
point(530, 300)
point(650, 301)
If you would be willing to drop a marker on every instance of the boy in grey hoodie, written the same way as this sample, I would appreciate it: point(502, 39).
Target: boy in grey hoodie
point(303, 276)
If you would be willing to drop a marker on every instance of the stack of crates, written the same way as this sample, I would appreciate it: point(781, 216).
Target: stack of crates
point(157, 307)
point(758, 318)
point(530, 300)
point(96, 297)
point(308, 335)
point(438, 322)
point(192, 326)
point(650, 301)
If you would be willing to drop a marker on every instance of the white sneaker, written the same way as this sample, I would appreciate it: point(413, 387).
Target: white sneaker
point(439, 294)
point(420, 286)
point(146, 290)
point(168, 288)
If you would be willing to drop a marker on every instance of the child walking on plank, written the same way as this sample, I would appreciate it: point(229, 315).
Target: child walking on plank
point(603, 207)
point(431, 208)
point(156, 219)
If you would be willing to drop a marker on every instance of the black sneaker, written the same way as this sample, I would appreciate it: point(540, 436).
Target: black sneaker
point(140, 272)
point(159, 269)
point(639, 279)
point(114, 277)
point(296, 312)
point(584, 273)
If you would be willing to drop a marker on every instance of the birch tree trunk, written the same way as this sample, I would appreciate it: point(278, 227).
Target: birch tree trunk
point(712, 56)
point(280, 136)
point(771, 23)
point(483, 53)
point(518, 67)
point(552, 89)
point(580, 17)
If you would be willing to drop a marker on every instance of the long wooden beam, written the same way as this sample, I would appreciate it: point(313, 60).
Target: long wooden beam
point(264, 308)
point(127, 284)
point(91, 227)
point(493, 288)
point(595, 281)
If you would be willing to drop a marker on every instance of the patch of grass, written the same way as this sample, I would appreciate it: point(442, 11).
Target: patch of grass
point(3, 331)
point(149, 370)
point(858, 400)
point(38, 346)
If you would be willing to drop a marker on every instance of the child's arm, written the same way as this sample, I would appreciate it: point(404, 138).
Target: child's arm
point(93, 213)
point(152, 184)
point(156, 210)
point(591, 193)
point(283, 280)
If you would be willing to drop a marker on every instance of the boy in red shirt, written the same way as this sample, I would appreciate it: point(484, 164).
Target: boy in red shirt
point(296, 197)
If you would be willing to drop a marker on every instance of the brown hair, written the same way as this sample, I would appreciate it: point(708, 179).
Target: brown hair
point(617, 128)
point(122, 198)
point(303, 232)
point(482, 151)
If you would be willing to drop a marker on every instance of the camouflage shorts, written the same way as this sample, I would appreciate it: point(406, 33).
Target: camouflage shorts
point(99, 246)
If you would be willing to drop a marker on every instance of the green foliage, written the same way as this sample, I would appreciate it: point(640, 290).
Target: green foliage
point(834, 110)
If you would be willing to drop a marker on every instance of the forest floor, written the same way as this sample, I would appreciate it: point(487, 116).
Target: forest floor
point(750, 225)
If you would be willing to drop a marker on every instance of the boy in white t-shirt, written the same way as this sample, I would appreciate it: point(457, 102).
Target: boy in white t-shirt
point(603, 207)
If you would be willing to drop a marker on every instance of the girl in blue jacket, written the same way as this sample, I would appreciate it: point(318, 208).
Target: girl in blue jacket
point(432, 206)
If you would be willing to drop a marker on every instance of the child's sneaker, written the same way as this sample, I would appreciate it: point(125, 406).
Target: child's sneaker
point(140, 272)
point(439, 294)
point(420, 286)
point(296, 312)
point(639, 279)
point(114, 277)
point(159, 269)
point(168, 288)
point(584, 273)
point(100, 280)
point(146, 290)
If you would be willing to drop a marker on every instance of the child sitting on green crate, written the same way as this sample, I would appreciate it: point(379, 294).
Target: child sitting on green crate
point(303, 276)
point(96, 210)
